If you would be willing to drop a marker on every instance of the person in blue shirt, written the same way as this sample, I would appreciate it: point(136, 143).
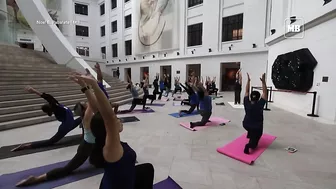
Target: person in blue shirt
point(120, 171)
point(62, 114)
point(254, 114)
point(205, 106)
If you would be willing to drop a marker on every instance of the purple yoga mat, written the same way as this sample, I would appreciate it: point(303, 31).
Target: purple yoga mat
point(8, 181)
point(169, 183)
point(138, 111)
point(155, 104)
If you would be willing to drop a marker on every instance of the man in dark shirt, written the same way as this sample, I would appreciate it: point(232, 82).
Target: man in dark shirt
point(62, 114)
point(118, 72)
point(254, 116)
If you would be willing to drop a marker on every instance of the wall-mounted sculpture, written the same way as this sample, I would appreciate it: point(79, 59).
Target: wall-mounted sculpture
point(294, 71)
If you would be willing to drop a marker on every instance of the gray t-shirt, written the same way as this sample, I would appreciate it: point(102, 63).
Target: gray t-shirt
point(134, 92)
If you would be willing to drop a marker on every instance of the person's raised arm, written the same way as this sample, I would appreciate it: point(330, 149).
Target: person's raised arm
point(264, 87)
point(113, 150)
point(247, 89)
point(86, 90)
point(50, 99)
point(129, 79)
point(99, 73)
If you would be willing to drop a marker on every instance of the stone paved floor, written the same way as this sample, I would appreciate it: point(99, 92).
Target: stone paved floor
point(190, 158)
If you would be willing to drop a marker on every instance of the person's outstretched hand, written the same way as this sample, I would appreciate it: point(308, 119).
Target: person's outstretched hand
point(248, 77)
point(74, 79)
point(29, 89)
point(89, 80)
point(263, 77)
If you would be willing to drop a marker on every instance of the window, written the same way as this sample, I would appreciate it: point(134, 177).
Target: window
point(192, 3)
point(232, 28)
point(128, 47)
point(195, 34)
point(126, 1)
point(113, 4)
point(81, 9)
point(102, 31)
point(115, 50)
point(114, 26)
point(83, 51)
point(102, 9)
point(82, 31)
point(128, 21)
point(103, 52)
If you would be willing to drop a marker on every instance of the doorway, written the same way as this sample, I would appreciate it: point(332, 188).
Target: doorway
point(27, 45)
point(228, 75)
point(165, 70)
point(128, 73)
point(144, 71)
point(194, 69)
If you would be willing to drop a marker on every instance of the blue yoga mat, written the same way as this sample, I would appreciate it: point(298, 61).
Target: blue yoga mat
point(169, 183)
point(176, 115)
point(8, 181)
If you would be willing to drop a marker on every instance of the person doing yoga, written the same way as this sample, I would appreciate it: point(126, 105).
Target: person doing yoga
point(211, 86)
point(62, 114)
point(91, 146)
point(254, 114)
point(205, 103)
point(120, 171)
point(177, 86)
point(193, 99)
point(238, 87)
point(144, 85)
point(156, 87)
point(136, 100)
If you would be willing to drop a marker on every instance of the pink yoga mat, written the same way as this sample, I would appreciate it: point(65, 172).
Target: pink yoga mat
point(235, 149)
point(215, 121)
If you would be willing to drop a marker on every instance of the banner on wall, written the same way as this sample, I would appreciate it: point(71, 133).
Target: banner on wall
point(156, 25)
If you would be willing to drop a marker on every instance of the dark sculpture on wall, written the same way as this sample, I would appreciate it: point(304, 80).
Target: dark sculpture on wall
point(294, 71)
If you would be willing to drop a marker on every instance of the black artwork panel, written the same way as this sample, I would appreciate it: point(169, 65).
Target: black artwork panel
point(294, 71)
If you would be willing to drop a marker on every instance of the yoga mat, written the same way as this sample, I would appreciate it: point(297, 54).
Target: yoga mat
point(138, 111)
point(235, 149)
point(220, 104)
point(214, 97)
point(176, 115)
point(237, 106)
point(164, 99)
point(214, 121)
point(177, 104)
point(155, 104)
point(8, 181)
point(5, 151)
point(168, 183)
point(128, 119)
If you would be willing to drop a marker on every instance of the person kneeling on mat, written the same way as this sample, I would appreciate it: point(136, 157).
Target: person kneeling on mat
point(193, 100)
point(62, 114)
point(205, 103)
point(144, 85)
point(254, 114)
point(120, 171)
point(91, 146)
point(177, 86)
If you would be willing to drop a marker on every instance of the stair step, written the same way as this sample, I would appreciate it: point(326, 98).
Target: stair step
point(43, 86)
point(31, 104)
point(37, 120)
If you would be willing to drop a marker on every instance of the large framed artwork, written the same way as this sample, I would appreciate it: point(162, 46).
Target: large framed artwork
point(156, 25)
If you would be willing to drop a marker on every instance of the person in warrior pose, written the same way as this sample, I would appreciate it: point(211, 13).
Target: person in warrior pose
point(62, 114)
point(193, 99)
point(136, 100)
point(177, 86)
point(212, 86)
point(254, 114)
point(92, 144)
point(156, 87)
point(238, 87)
point(205, 105)
point(120, 170)
point(144, 85)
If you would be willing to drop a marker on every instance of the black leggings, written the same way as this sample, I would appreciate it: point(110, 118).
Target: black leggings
point(84, 150)
point(144, 176)
point(237, 94)
point(135, 102)
point(205, 119)
point(254, 135)
point(188, 89)
point(177, 90)
point(212, 91)
point(57, 137)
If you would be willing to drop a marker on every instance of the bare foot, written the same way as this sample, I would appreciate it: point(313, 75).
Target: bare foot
point(26, 182)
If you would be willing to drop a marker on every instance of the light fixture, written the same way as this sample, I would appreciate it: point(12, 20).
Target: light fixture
point(119, 60)
point(229, 48)
point(143, 57)
point(178, 53)
point(126, 59)
point(210, 50)
point(192, 52)
point(112, 61)
point(292, 19)
point(165, 54)
point(134, 58)
point(273, 31)
point(326, 2)
point(153, 56)
point(254, 45)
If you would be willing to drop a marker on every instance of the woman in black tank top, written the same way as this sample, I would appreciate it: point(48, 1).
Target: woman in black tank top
point(238, 87)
